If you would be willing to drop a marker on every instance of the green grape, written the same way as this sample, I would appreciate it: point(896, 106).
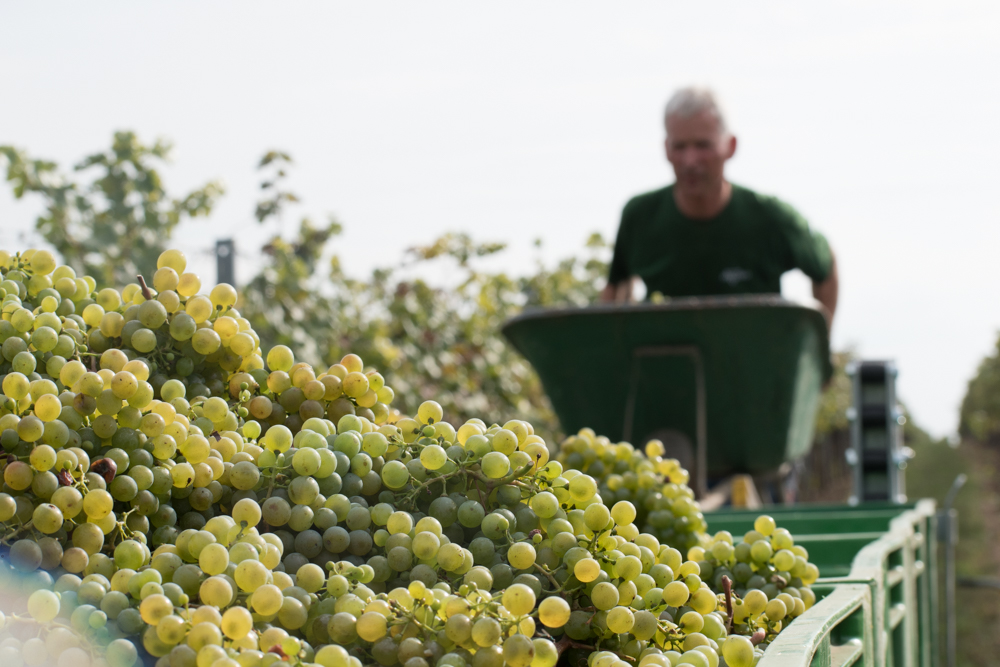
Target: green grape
point(546, 653)
point(154, 608)
point(130, 554)
point(764, 525)
point(486, 632)
point(266, 600)
point(433, 457)
point(429, 412)
point(236, 622)
point(426, 545)
point(332, 655)
point(278, 438)
point(48, 408)
point(587, 569)
point(691, 622)
point(775, 610)
point(582, 488)
point(604, 596)
point(471, 513)
point(623, 513)
point(306, 462)
point(47, 518)
point(761, 551)
point(738, 651)
point(248, 512)
point(213, 559)
point(521, 555)
point(372, 626)
point(395, 474)
point(98, 504)
point(24, 363)
point(216, 591)
point(495, 465)
point(244, 475)
point(8, 507)
point(518, 651)
point(355, 384)
point(250, 575)
point(310, 577)
point(89, 537)
point(276, 511)
point(43, 605)
point(15, 385)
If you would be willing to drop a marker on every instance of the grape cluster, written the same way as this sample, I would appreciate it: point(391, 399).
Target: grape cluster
point(657, 487)
point(763, 568)
point(174, 495)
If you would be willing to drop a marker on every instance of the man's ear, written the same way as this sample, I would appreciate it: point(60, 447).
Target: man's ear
point(731, 146)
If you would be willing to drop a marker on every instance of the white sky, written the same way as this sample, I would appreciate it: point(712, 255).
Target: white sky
point(517, 120)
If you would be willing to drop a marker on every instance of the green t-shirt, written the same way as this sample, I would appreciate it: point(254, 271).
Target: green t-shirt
point(743, 250)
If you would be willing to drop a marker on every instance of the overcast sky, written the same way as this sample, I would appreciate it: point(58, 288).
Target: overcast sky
point(518, 120)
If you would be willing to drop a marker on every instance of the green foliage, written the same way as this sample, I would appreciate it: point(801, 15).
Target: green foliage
point(979, 417)
point(836, 399)
point(115, 222)
point(438, 342)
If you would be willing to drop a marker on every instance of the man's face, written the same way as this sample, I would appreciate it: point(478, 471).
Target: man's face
point(698, 149)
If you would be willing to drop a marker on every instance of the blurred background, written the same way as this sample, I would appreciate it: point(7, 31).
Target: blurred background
point(398, 180)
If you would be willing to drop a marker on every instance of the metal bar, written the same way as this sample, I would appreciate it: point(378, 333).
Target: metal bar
point(979, 582)
point(897, 613)
point(701, 474)
point(948, 534)
point(225, 251)
point(847, 654)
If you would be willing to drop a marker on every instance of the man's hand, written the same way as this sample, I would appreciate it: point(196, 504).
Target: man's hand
point(826, 292)
point(618, 292)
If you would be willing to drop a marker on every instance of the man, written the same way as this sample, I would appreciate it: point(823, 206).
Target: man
point(704, 235)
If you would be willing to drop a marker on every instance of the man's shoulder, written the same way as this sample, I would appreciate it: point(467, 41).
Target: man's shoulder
point(651, 198)
point(767, 206)
point(647, 204)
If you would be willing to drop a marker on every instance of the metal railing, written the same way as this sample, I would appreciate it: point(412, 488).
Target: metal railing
point(882, 613)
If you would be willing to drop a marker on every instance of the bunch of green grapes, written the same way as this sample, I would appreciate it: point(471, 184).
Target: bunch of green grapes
point(658, 487)
point(170, 487)
point(144, 380)
point(54, 629)
point(126, 417)
point(766, 565)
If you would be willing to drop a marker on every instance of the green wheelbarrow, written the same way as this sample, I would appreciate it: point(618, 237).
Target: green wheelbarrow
point(729, 384)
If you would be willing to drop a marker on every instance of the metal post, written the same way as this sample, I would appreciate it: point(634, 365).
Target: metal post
point(225, 254)
point(948, 535)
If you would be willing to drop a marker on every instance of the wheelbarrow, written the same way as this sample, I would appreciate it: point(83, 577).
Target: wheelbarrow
point(731, 384)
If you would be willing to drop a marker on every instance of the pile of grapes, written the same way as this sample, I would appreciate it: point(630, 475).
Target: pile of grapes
point(175, 496)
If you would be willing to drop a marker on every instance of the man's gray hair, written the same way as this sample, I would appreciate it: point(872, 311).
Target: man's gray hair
point(692, 100)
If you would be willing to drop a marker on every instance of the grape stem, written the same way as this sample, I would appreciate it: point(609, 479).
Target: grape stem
point(567, 643)
point(10, 536)
point(548, 575)
point(727, 586)
point(146, 294)
point(412, 495)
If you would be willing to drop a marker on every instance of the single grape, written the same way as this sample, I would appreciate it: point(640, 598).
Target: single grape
point(43, 605)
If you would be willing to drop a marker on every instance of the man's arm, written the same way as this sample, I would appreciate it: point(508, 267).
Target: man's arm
point(618, 292)
point(826, 292)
